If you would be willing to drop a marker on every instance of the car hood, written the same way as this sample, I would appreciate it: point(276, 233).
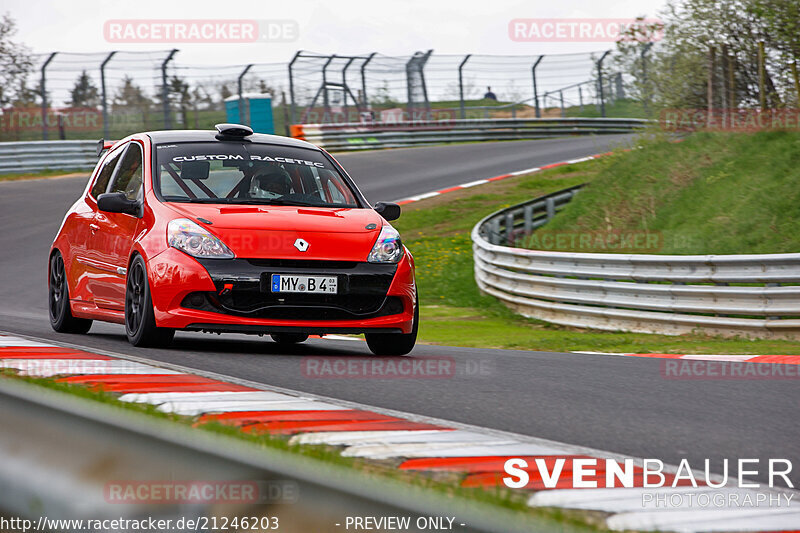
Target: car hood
point(253, 231)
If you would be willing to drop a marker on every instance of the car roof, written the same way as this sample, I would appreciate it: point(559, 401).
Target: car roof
point(175, 136)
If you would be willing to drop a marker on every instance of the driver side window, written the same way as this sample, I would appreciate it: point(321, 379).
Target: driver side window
point(104, 176)
point(129, 176)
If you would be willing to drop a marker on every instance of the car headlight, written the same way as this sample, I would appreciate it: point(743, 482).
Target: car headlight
point(388, 248)
point(192, 239)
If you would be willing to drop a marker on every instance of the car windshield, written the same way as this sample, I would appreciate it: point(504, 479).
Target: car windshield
point(249, 173)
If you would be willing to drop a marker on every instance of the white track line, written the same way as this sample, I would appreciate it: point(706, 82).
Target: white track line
point(469, 184)
point(156, 398)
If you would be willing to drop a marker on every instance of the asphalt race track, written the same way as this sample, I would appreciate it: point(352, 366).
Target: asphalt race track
point(623, 405)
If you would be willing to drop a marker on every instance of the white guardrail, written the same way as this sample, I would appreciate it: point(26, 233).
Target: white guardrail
point(32, 156)
point(728, 295)
point(348, 136)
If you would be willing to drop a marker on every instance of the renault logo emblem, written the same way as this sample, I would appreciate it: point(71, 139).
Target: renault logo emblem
point(301, 245)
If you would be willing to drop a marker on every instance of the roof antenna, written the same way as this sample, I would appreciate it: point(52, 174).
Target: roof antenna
point(229, 132)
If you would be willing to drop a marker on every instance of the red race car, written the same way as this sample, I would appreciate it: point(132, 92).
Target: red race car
point(230, 231)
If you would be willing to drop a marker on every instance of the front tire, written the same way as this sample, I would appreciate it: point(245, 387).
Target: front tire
point(61, 319)
point(394, 343)
point(140, 320)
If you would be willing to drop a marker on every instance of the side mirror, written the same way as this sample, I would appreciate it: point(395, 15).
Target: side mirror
point(117, 202)
point(388, 210)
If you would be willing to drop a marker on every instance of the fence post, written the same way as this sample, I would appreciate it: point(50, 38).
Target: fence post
point(364, 81)
point(345, 89)
point(286, 115)
point(710, 89)
point(325, 100)
point(291, 85)
point(725, 90)
point(103, 93)
point(600, 82)
point(241, 98)
point(165, 90)
point(416, 65)
point(645, 85)
point(43, 88)
point(461, 85)
point(580, 97)
point(762, 77)
point(563, 111)
point(535, 93)
point(732, 81)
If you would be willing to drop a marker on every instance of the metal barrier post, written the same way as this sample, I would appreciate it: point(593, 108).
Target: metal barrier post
point(527, 215)
point(44, 95)
point(550, 206)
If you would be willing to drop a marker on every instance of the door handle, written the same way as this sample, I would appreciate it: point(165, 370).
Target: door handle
point(94, 227)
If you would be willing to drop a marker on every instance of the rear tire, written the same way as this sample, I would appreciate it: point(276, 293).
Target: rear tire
point(394, 343)
point(61, 319)
point(140, 320)
point(287, 339)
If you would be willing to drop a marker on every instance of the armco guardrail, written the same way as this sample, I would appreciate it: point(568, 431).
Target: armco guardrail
point(348, 136)
point(31, 156)
point(669, 294)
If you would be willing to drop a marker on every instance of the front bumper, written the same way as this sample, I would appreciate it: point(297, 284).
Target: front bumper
point(230, 296)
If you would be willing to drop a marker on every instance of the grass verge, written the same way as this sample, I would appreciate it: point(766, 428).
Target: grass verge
point(713, 193)
point(455, 313)
point(44, 174)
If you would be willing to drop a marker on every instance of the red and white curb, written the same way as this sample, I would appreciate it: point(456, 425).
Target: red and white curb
point(469, 184)
point(770, 359)
point(416, 443)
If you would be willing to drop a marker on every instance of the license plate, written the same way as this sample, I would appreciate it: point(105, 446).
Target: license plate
point(310, 284)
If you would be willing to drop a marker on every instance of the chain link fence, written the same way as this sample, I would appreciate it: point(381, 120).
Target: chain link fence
point(113, 94)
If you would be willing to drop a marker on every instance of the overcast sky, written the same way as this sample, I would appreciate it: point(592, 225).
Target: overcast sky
point(332, 26)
